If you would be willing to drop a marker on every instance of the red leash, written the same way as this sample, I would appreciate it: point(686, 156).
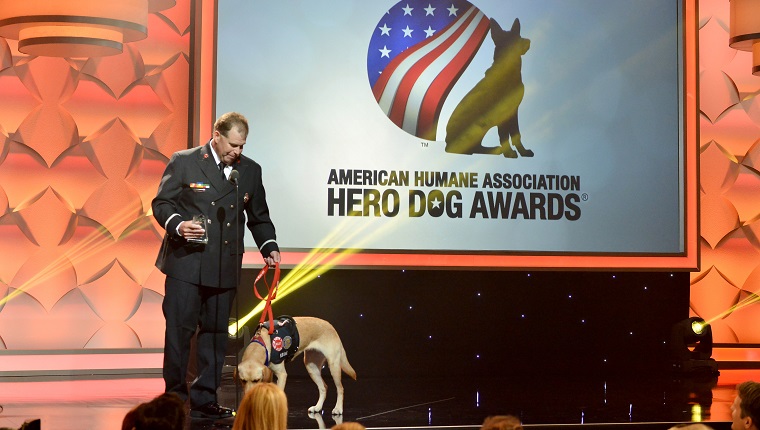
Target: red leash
point(271, 293)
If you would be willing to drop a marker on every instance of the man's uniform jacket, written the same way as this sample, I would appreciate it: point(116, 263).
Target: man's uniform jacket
point(192, 185)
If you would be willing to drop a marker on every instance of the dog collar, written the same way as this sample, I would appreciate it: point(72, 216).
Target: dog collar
point(260, 341)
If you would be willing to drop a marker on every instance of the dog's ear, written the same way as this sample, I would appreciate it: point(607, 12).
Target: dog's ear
point(495, 27)
point(516, 27)
point(266, 375)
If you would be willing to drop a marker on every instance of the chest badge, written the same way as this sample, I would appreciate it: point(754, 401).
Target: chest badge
point(199, 187)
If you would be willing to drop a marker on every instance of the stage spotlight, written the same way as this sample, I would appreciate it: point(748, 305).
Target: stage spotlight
point(691, 347)
point(698, 327)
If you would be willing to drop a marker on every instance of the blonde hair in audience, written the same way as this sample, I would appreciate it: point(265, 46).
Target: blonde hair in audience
point(691, 426)
point(265, 407)
point(502, 422)
point(348, 425)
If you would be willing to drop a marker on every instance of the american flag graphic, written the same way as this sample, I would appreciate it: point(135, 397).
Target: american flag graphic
point(417, 53)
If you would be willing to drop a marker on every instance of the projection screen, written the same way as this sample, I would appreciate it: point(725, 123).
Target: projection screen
point(484, 133)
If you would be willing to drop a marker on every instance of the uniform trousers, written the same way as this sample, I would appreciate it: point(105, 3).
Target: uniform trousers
point(189, 307)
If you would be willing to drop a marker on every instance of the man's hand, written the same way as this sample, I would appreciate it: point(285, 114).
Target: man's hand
point(274, 257)
point(191, 230)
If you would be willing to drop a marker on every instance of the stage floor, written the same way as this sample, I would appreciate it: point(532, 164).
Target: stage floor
point(541, 402)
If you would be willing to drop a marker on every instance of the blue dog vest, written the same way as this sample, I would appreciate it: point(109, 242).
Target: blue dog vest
point(284, 341)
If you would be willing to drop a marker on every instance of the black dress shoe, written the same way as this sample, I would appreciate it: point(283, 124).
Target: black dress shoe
point(212, 411)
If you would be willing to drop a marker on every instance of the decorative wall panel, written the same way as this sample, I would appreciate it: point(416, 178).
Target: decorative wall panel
point(83, 143)
point(724, 291)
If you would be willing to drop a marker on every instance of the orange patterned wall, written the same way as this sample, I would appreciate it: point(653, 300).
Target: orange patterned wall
point(729, 183)
point(83, 144)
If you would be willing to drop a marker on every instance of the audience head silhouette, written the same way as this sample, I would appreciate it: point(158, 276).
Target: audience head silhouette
point(165, 412)
point(745, 411)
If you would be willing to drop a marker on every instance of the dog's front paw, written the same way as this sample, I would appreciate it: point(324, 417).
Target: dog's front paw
point(337, 411)
point(315, 410)
point(508, 152)
point(525, 152)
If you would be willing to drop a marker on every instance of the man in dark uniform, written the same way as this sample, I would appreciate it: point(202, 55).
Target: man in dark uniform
point(201, 278)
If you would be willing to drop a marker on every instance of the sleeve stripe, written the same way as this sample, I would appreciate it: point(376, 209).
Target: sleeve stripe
point(166, 224)
point(265, 244)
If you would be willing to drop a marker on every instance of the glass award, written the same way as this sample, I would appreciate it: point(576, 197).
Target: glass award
point(200, 220)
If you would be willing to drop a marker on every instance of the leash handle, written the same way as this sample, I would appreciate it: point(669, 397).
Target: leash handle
point(271, 293)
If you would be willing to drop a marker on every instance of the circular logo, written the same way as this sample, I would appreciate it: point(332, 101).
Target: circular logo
point(277, 344)
point(417, 52)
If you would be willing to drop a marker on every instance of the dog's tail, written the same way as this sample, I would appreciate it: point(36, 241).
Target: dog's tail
point(345, 366)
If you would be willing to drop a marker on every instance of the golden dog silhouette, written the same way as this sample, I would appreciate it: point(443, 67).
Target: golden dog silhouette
point(493, 101)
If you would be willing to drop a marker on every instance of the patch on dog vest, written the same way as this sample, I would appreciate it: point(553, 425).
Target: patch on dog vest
point(284, 341)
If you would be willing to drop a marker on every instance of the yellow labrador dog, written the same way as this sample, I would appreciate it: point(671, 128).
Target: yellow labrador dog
point(266, 355)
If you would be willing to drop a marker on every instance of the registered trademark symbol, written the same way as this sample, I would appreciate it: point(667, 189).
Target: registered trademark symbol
point(584, 197)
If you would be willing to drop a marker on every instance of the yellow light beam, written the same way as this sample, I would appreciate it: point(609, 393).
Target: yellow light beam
point(749, 300)
point(317, 262)
point(94, 243)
